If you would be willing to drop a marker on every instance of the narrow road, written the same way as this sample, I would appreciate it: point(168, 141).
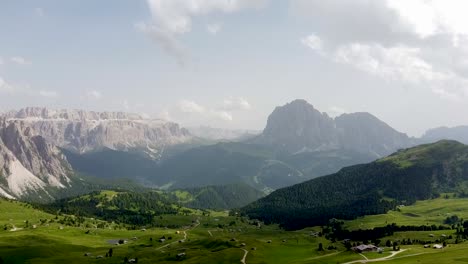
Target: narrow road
point(245, 256)
point(209, 232)
point(378, 259)
point(362, 255)
point(324, 256)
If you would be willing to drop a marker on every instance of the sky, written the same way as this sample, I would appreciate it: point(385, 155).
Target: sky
point(229, 63)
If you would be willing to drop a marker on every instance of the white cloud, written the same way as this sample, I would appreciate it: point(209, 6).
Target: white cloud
point(399, 64)
point(223, 115)
point(431, 17)
point(1, 61)
point(235, 104)
point(39, 11)
point(188, 111)
point(171, 18)
point(394, 63)
point(93, 94)
point(213, 28)
point(49, 94)
point(313, 42)
point(5, 87)
point(20, 61)
point(186, 106)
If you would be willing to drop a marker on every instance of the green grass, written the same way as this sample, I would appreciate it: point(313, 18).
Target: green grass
point(209, 242)
point(427, 212)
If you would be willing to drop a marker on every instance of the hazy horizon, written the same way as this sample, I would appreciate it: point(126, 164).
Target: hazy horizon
point(228, 64)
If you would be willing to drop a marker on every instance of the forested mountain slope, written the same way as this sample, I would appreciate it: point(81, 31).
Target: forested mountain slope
point(417, 173)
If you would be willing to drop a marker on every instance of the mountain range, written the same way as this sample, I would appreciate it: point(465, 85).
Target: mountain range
point(44, 150)
point(87, 131)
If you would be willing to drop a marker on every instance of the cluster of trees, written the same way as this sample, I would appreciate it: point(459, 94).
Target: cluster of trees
point(129, 208)
point(221, 197)
point(335, 231)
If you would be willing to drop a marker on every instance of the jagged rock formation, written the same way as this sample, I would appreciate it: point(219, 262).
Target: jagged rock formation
point(28, 164)
point(84, 131)
point(299, 127)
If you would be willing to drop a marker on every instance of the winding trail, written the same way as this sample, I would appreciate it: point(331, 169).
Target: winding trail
point(183, 240)
point(245, 256)
point(324, 256)
point(377, 259)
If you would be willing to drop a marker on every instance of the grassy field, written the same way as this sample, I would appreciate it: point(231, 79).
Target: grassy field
point(427, 212)
point(31, 236)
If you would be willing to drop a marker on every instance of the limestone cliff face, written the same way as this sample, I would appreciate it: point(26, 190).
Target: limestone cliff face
point(84, 131)
point(28, 164)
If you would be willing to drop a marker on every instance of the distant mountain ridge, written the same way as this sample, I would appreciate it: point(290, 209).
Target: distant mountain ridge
point(298, 127)
point(458, 133)
point(85, 131)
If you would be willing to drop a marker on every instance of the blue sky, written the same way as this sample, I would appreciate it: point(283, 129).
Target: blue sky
point(228, 63)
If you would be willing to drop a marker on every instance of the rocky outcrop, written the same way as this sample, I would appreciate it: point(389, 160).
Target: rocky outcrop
point(28, 164)
point(84, 131)
point(299, 127)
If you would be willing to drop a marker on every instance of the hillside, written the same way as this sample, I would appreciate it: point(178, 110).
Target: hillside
point(418, 173)
point(217, 197)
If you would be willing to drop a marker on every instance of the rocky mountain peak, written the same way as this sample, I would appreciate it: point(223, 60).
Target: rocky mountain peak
point(28, 164)
point(298, 126)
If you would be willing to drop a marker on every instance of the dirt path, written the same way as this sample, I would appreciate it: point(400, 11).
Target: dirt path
point(378, 259)
point(324, 256)
point(183, 240)
point(362, 255)
point(245, 256)
point(209, 232)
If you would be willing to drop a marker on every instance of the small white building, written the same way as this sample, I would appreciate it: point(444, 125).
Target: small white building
point(437, 246)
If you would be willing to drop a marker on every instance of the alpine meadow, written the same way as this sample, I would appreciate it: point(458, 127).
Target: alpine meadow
point(234, 131)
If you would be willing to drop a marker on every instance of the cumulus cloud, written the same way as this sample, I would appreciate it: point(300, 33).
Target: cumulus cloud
point(400, 63)
point(433, 17)
point(20, 61)
point(93, 95)
point(313, 42)
point(186, 106)
point(6, 87)
point(213, 28)
point(191, 112)
point(421, 42)
point(235, 104)
point(171, 18)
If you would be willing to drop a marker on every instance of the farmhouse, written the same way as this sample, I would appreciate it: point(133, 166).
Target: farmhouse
point(365, 248)
point(438, 246)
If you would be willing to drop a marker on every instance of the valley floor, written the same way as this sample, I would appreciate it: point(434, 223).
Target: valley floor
point(31, 236)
